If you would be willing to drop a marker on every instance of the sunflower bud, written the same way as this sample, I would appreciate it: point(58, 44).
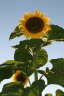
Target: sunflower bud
point(20, 76)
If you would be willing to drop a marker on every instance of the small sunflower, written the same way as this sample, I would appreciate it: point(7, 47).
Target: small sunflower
point(34, 25)
point(20, 77)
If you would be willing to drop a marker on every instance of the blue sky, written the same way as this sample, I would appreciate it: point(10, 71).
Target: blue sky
point(10, 13)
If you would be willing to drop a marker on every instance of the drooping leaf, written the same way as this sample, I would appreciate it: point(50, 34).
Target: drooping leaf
point(59, 93)
point(5, 71)
point(32, 43)
point(8, 68)
point(56, 74)
point(56, 34)
point(17, 32)
point(13, 89)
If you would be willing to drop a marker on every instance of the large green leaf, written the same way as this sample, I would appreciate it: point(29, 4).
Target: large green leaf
point(13, 89)
point(57, 33)
point(5, 71)
point(17, 65)
point(32, 43)
point(8, 68)
point(42, 57)
point(56, 74)
point(59, 93)
point(17, 32)
point(22, 55)
point(16, 89)
point(22, 52)
point(38, 86)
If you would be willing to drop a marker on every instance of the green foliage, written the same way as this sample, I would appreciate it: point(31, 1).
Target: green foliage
point(22, 55)
point(32, 43)
point(42, 57)
point(56, 74)
point(49, 94)
point(29, 56)
point(38, 86)
point(16, 33)
point(5, 71)
point(56, 34)
point(59, 93)
point(13, 89)
point(17, 89)
point(8, 68)
point(24, 52)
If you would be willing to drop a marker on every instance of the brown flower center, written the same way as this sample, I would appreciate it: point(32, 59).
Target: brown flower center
point(21, 77)
point(34, 25)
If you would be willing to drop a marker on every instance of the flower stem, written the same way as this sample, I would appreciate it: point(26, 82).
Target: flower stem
point(35, 64)
point(35, 59)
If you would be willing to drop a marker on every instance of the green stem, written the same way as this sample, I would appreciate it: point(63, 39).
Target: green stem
point(35, 62)
point(35, 59)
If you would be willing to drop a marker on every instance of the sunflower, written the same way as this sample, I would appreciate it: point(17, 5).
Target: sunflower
point(34, 25)
point(20, 76)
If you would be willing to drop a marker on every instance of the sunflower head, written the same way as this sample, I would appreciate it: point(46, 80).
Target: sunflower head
point(34, 25)
point(19, 76)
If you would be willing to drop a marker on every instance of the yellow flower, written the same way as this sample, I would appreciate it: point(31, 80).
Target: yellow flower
point(34, 25)
point(20, 76)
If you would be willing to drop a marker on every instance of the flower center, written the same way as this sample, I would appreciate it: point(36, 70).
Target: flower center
point(21, 77)
point(34, 25)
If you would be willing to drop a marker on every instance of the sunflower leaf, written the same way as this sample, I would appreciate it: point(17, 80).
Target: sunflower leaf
point(38, 86)
point(56, 74)
point(49, 94)
point(59, 93)
point(32, 43)
point(42, 57)
point(22, 55)
point(35, 43)
point(16, 33)
point(8, 68)
point(13, 89)
point(56, 34)
point(5, 71)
